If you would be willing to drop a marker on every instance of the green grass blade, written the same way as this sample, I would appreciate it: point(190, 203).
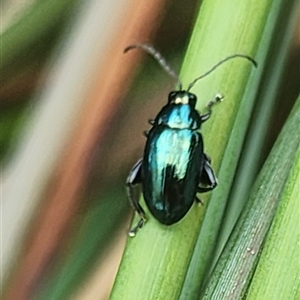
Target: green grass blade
point(206, 247)
point(235, 268)
point(278, 271)
point(275, 44)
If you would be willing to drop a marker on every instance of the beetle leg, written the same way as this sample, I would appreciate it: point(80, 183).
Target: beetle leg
point(218, 98)
point(198, 200)
point(208, 177)
point(134, 178)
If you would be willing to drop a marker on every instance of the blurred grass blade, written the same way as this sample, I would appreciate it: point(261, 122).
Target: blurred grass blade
point(278, 271)
point(155, 262)
point(44, 155)
point(235, 268)
point(21, 42)
point(75, 102)
point(93, 238)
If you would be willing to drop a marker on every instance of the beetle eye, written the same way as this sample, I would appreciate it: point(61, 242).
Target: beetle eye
point(172, 97)
point(192, 100)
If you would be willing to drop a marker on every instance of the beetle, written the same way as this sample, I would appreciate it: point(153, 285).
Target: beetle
point(174, 167)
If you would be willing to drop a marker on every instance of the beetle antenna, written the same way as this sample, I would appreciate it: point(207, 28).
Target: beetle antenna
point(220, 63)
point(158, 57)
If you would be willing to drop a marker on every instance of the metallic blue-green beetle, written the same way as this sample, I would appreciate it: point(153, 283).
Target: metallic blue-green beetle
point(174, 167)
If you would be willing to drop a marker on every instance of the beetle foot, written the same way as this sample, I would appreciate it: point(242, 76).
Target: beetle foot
point(218, 98)
point(138, 226)
point(199, 201)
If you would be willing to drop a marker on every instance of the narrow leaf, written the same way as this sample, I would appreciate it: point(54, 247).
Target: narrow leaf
point(235, 268)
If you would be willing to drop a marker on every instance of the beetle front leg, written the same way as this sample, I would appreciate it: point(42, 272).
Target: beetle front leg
point(208, 177)
point(218, 98)
point(135, 177)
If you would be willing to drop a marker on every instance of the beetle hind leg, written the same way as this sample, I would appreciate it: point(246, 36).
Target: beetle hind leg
point(135, 177)
point(132, 232)
point(208, 180)
point(198, 200)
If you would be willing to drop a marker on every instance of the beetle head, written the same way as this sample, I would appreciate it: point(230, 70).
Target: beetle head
point(182, 97)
